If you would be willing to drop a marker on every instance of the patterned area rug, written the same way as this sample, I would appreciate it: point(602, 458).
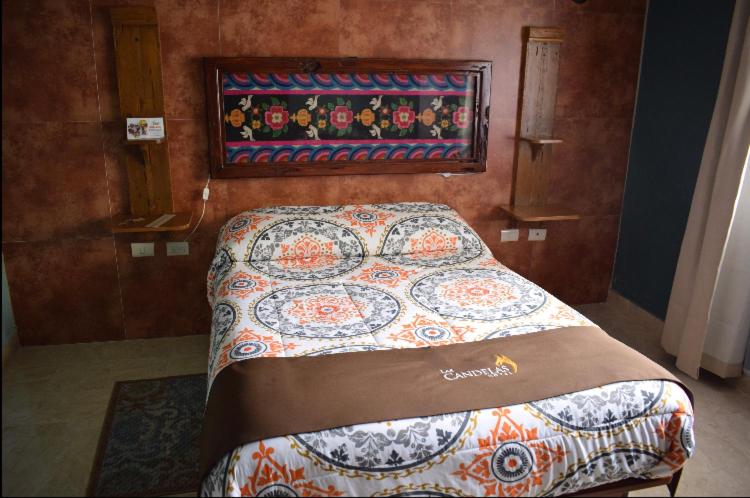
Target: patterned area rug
point(149, 442)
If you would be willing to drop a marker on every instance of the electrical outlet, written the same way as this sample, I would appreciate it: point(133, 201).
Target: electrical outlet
point(537, 233)
point(509, 235)
point(142, 249)
point(177, 249)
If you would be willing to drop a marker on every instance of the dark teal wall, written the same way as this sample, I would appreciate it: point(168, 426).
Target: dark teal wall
point(683, 53)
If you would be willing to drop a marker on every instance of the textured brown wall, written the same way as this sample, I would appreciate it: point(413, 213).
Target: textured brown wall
point(72, 280)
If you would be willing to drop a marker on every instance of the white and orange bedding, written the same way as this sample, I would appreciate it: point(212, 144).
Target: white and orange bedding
point(294, 281)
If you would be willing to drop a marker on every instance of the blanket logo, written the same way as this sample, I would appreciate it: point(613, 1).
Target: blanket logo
point(503, 366)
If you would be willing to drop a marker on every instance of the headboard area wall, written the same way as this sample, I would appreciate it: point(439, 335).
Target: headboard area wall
point(72, 280)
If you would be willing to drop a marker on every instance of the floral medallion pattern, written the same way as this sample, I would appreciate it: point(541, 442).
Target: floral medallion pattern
point(388, 275)
point(312, 281)
point(247, 344)
point(327, 310)
point(298, 210)
point(430, 241)
point(299, 117)
point(221, 265)
point(242, 285)
point(273, 478)
point(405, 444)
point(414, 207)
point(612, 464)
point(478, 294)
point(368, 219)
point(424, 331)
point(512, 460)
point(225, 316)
point(241, 225)
point(306, 249)
point(602, 408)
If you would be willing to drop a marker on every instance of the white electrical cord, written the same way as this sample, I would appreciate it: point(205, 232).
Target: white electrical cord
point(203, 211)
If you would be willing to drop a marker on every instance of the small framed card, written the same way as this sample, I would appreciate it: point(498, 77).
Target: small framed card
point(145, 128)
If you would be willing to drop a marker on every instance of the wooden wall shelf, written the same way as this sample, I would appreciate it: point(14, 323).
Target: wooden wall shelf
point(131, 223)
point(535, 132)
point(535, 214)
point(541, 140)
point(146, 141)
point(135, 32)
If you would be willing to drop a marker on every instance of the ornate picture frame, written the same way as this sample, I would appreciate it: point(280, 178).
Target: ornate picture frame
point(300, 116)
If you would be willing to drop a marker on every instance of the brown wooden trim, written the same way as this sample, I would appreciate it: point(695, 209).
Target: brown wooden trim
point(529, 214)
point(214, 67)
point(544, 34)
point(622, 488)
point(121, 223)
point(133, 15)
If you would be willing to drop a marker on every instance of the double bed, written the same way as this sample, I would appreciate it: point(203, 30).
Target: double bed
point(323, 280)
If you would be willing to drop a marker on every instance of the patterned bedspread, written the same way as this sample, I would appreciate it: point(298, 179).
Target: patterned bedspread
point(293, 281)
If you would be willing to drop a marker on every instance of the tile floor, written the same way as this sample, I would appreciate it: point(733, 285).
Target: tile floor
point(55, 398)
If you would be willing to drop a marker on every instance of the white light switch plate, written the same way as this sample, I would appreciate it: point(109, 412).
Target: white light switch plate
point(509, 235)
point(142, 249)
point(537, 233)
point(177, 249)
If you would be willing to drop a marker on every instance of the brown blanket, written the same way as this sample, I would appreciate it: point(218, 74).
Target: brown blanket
point(261, 398)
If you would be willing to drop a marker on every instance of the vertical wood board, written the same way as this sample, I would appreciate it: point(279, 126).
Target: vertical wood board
point(541, 59)
point(139, 79)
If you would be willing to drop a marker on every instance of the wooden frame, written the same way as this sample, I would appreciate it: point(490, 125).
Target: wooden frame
point(622, 488)
point(471, 158)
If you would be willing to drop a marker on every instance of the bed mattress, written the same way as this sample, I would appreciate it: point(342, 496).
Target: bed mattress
point(308, 280)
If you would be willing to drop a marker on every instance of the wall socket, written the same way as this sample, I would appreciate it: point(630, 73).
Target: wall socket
point(142, 249)
point(537, 233)
point(177, 249)
point(509, 235)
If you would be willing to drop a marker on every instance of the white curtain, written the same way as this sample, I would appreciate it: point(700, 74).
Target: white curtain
point(707, 322)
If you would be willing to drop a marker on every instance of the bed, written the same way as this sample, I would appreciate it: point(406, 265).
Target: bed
point(323, 280)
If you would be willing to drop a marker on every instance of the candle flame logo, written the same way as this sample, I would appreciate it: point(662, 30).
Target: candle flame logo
point(501, 360)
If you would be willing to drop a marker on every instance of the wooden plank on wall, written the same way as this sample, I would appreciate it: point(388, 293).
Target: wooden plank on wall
point(139, 79)
point(538, 99)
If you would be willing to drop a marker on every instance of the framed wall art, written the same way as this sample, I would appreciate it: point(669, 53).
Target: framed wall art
point(301, 116)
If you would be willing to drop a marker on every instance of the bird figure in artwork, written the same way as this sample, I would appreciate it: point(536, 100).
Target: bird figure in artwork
point(247, 133)
point(437, 103)
point(435, 132)
point(375, 132)
point(376, 102)
point(246, 102)
point(312, 132)
point(312, 102)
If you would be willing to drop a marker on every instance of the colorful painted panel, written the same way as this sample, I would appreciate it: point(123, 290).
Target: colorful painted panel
point(276, 117)
point(282, 116)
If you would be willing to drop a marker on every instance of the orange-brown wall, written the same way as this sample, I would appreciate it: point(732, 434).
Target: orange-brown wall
point(72, 280)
